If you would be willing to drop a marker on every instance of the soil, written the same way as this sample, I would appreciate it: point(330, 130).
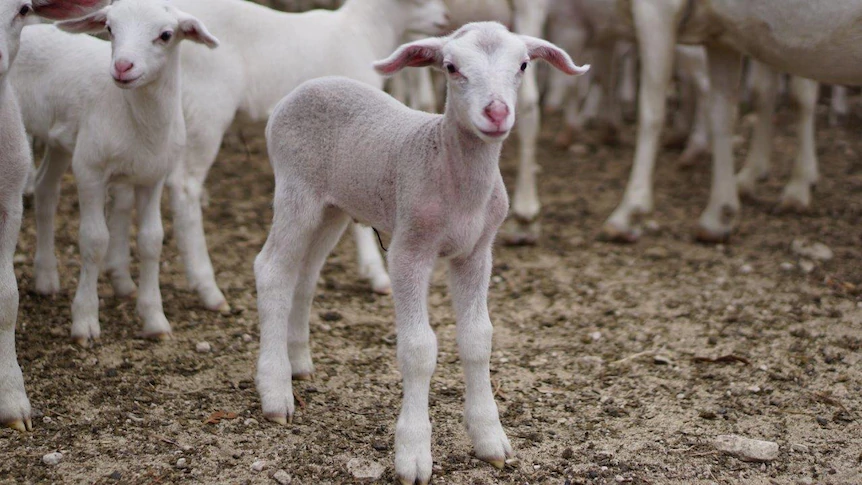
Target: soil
point(601, 354)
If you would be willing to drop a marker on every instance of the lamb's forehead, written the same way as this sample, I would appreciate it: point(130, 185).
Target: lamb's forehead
point(486, 38)
point(156, 11)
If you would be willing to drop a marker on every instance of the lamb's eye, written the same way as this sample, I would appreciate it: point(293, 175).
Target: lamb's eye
point(451, 68)
point(523, 67)
point(166, 36)
point(25, 10)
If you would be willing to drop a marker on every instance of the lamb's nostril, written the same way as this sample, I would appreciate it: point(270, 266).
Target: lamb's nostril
point(123, 66)
point(497, 112)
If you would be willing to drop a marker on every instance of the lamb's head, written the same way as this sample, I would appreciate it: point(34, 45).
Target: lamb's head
point(426, 17)
point(484, 64)
point(15, 14)
point(144, 36)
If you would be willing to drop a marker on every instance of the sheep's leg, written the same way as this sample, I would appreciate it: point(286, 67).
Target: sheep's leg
point(764, 88)
point(838, 106)
point(693, 61)
point(92, 244)
point(629, 82)
point(797, 193)
point(610, 114)
point(524, 228)
point(151, 236)
point(14, 405)
point(371, 266)
point(469, 282)
point(417, 357)
point(54, 164)
point(718, 219)
point(186, 186)
point(656, 23)
point(119, 255)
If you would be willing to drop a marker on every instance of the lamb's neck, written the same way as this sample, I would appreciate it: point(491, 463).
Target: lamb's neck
point(382, 21)
point(157, 106)
point(472, 162)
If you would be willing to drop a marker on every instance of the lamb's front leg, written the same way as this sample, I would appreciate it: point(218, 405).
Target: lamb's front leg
point(410, 269)
point(150, 238)
point(470, 277)
point(92, 244)
point(119, 258)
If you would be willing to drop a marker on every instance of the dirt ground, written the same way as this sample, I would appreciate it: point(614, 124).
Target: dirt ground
point(597, 349)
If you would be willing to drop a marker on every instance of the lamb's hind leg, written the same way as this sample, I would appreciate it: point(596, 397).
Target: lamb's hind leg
point(119, 257)
point(54, 164)
point(278, 269)
point(151, 236)
point(797, 193)
point(371, 265)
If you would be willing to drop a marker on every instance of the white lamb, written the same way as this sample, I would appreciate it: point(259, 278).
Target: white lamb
point(15, 161)
point(342, 150)
point(127, 133)
point(266, 55)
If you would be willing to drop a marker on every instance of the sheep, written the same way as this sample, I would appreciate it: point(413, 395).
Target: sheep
point(124, 133)
point(341, 150)
point(15, 161)
point(268, 54)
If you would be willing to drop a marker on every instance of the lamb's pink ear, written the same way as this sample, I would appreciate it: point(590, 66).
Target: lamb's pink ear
point(421, 53)
point(195, 31)
point(66, 9)
point(542, 49)
point(91, 24)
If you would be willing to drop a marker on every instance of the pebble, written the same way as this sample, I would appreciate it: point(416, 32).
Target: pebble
point(661, 360)
point(250, 422)
point(652, 226)
point(365, 469)
point(817, 251)
point(258, 466)
point(579, 150)
point(656, 253)
point(282, 477)
point(246, 338)
point(806, 266)
point(746, 449)
point(182, 464)
point(52, 459)
point(203, 347)
point(754, 389)
point(746, 269)
point(799, 448)
point(785, 266)
point(596, 336)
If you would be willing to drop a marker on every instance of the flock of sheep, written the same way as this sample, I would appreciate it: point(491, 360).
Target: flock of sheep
point(145, 109)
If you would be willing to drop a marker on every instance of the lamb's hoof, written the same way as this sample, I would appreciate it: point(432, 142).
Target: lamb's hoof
point(498, 463)
point(792, 206)
point(709, 236)
point(612, 233)
point(158, 336)
point(282, 420)
point(382, 287)
point(521, 231)
point(305, 376)
point(83, 342)
point(222, 307)
point(407, 481)
point(21, 425)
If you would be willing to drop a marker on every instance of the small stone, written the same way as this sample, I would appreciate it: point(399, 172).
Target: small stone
point(747, 449)
point(361, 468)
point(822, 421)
point(568, 454)
point(282, 477)
point(661, 360)
point(596, 336)
point(746, 269)
point(331, 316)
point(496, 279)
point(246, 338)
point(651, 226)
point(52, 459)
point(754, 389)
point(47, 420)
point(379, 445)
point(513, 462)
point(258, 466)
point(806, 266)
point(579, 150)
point(799, 448)
point(203, 347)
point(656, 253)
point(787, 267)
point(250, 422)
point(115, 475)
point(680, 395)
point(182, 464)
point(817, 251)
point(619, 479)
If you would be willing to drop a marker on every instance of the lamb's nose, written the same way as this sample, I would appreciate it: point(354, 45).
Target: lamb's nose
point(123, 66)
point(497, 112)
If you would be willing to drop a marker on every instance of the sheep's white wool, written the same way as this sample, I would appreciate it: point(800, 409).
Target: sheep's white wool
point(343, 150)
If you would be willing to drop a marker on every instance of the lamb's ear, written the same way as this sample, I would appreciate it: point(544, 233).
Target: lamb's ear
point(542, 49)
point(66, 9)
point(91, 24)
point(421, 53)
point(194, 30)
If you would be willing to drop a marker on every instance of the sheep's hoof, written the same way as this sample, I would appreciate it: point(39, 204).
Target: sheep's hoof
point(22, 425)
point(405, 481)
point(82, 342)
point(521, 231)
point(708, 236)
point(790, 205)
point(222, 307)
point(611, 233)
point(157, 336)
point(382, 289)
point(498, 463)
point(303, 377)
point(282, 420)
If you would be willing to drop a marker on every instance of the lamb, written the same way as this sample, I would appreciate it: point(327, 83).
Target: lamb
point(266, 55)
point(15, 161)
point(342, 150)
point(124, 133)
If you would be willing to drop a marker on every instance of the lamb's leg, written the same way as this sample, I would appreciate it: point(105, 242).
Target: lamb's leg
point(524, 227)
point(797, 193)
point(470, 277)
point(838, 105)
point(14, 405)
point(54, 164)
point(693, 60)
point(656, 23)
point(119, 255)
point(417, 357)
point(371, 266)
point(764, 88)
point(718, 219)
point(151, 236)
point(186, 185)
point(92, 244)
